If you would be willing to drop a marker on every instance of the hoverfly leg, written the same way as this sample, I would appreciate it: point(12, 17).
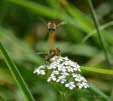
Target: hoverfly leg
point(46, 62)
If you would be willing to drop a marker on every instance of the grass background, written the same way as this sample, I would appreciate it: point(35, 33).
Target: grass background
point(23, 32)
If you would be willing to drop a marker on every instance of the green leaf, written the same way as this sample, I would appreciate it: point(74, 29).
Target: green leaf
point(98, 92)
point(25, 52)
point(97, 70)
point(37, 8)
point(16, 74)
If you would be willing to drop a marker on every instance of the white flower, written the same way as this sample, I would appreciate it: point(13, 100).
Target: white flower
point(65, 74)
point(70, 85)
point(69, 68)
point(65, 58)
point(61, 68)
point(83, 84)
point(60, 59)
point(54, 73)
point(79, 78)
point(57, 59)
point(51, 78)
point(35, 71)
point(40, 71)
point(47, 66)
point(74, 75)
point(66, 62)
point(53, 65)
point(61, 79)
point(76, 67)
point(71, 63)
point(53, 59)
point(43, 66)
point(79, 85)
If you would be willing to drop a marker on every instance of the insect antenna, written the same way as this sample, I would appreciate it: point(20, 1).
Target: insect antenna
point(42, 53)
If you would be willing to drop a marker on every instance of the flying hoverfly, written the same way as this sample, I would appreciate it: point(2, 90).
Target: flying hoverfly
point(52, 27)
point(50, 54)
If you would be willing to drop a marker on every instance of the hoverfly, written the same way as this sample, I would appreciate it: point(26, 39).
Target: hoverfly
point(51, 53)
point(52, 26)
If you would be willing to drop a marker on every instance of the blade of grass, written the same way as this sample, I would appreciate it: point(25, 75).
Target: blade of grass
point(99, 32)
point(8, 37)
point(97, 70)
point(37, 8)
point(17, 76)
point(111, 97)
point(95, 31)
point(98, 93)
point(83, 23)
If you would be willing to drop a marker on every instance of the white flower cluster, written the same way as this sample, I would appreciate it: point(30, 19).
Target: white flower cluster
point(64, 71)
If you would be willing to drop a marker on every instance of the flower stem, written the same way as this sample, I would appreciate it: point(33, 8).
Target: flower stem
point(99, 32)
point(63, 97)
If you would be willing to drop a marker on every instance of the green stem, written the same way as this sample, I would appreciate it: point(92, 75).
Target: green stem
point(97, 70)
point(16, 74)
point(99, 32)
point(63, 97)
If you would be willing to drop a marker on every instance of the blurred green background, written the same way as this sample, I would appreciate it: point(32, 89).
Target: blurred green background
point(23, 31)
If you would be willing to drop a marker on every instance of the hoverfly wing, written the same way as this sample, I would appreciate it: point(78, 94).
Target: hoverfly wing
point(62, 23)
